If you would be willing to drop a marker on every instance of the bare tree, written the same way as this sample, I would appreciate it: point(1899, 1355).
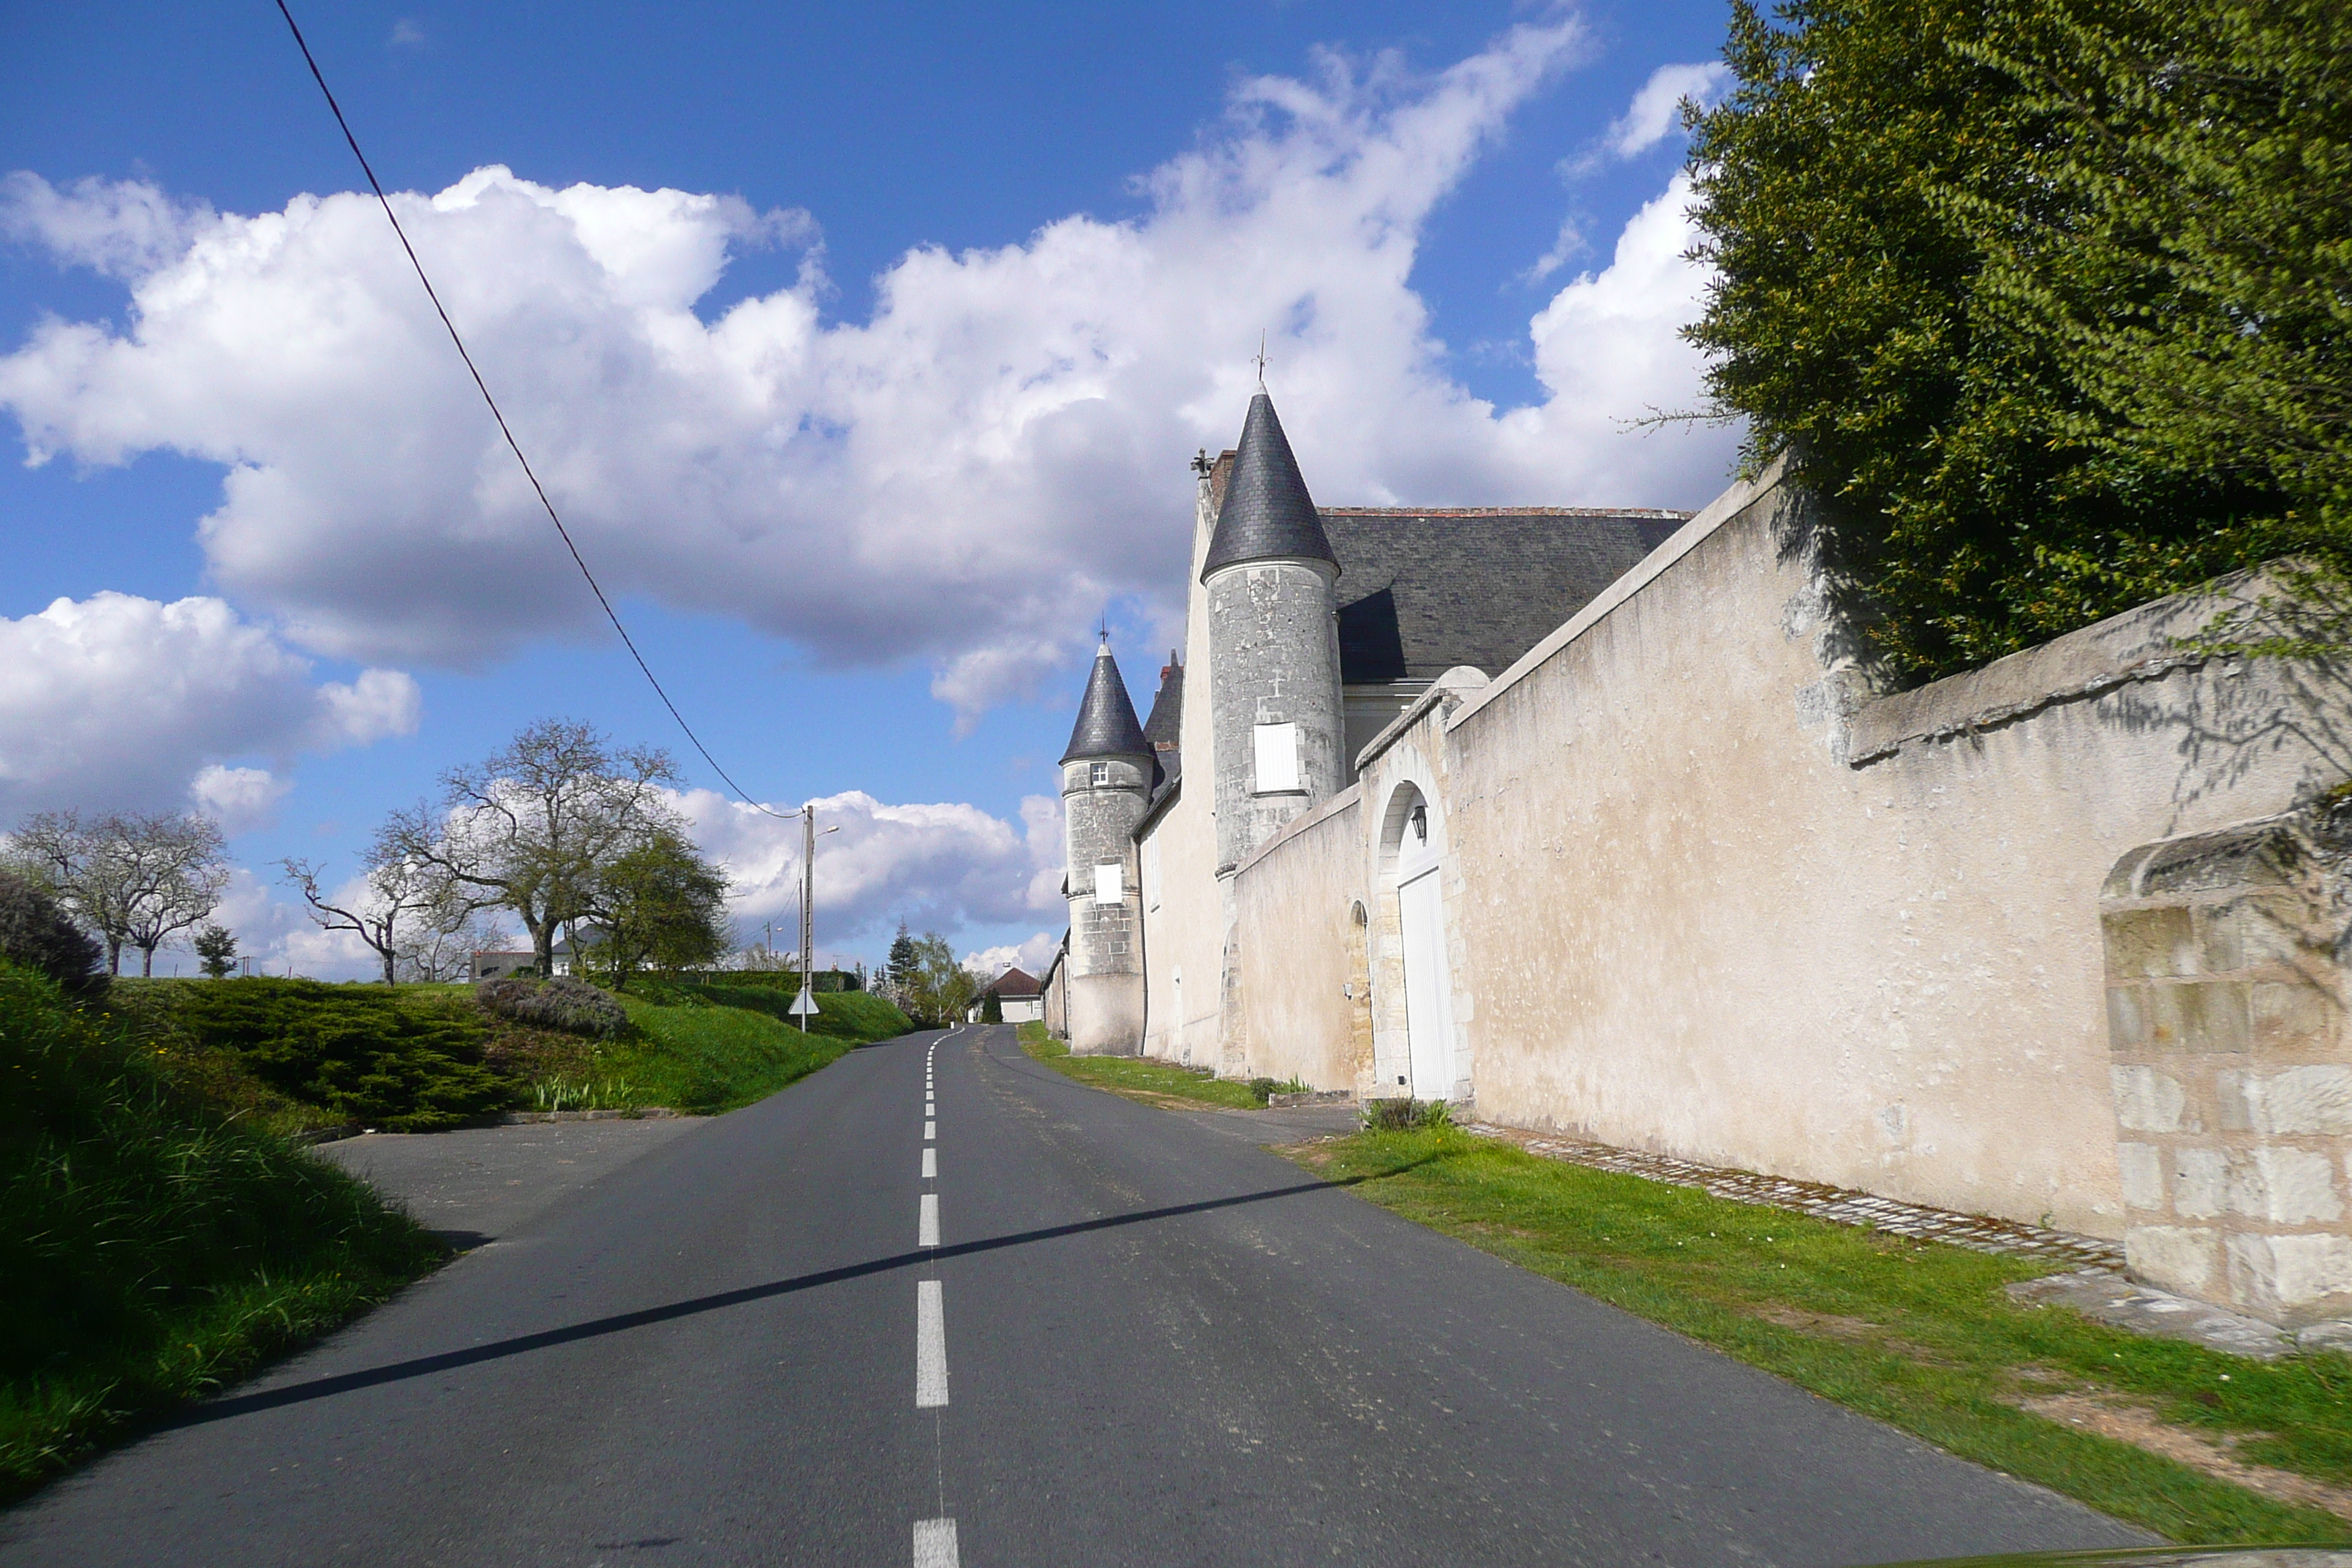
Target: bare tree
point(400, 893)
point(434, 952)
point(135, 878)
point(529, 829)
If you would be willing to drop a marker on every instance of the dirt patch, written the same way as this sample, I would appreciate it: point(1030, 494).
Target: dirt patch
point(1853, 1331)
point(2130, 1421)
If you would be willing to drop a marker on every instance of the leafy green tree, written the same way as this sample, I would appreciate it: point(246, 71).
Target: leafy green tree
point(37, 932)
point(660, 906)
point(991, 1008)
point(937, 989)
point(216, 952)
point(2043, 300)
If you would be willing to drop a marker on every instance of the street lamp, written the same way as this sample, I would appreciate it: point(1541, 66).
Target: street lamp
point(805, 1003)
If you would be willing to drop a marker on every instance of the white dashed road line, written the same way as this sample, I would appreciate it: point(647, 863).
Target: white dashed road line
point(935, 1539)
point(931, 1346)
point(935, 1543)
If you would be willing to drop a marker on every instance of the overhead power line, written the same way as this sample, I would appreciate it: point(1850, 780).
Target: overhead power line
point(512, 444)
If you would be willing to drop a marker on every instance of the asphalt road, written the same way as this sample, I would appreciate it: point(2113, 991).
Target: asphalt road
point(478, 1183)
point(1101, 1334)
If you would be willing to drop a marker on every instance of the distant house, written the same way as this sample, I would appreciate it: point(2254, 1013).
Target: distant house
point(506, 965)
point(1018, 994)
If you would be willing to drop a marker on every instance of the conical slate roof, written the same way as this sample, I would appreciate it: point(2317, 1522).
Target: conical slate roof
point(1268, 513)
point(1106, 726)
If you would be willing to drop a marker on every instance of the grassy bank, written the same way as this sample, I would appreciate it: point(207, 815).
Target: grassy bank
point(713, 1048)
point(297, 1054)
point(155, 1245)
point(1916, 1334)
point(1154, 1083)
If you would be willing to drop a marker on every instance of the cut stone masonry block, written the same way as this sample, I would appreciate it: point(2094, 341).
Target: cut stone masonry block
point(2230, 1063)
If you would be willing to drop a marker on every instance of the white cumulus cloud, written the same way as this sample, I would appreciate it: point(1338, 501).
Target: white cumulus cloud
point(237, 798)
point(1656, 112)
point(941, 865)
point(980, 463)
point(118, 701)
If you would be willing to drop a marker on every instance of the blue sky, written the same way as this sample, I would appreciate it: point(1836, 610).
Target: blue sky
point(866, 425)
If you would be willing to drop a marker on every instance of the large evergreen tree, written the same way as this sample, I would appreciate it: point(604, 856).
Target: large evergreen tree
point(2046, 299)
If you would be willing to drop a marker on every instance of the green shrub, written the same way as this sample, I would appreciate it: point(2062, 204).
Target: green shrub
point(151, 1248)
point(36, 931)
point(571, 1006)
point(400, 1060)
point(1404, 1115)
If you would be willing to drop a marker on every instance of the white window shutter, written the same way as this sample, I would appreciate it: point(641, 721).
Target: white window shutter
point(1109, 885)
point(1277, 758)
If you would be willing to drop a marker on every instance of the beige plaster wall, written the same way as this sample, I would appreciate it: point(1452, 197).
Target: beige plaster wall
point(1183, 928)
point(1685, 921)
point(1304, 993)
point(1183, 922)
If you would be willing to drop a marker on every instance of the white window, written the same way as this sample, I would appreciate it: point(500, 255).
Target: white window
point(1109, 885)
point(1277, 758)
point(1098, 775)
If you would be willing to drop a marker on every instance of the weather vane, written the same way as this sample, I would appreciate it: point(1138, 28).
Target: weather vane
point(1261, 361)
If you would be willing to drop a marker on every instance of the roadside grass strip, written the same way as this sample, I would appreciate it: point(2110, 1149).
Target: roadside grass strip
point(1915, 1333)
point(1153, 1083)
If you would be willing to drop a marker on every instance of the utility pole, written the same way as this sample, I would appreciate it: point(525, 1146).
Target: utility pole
point(808, 920)
point(806, 1002)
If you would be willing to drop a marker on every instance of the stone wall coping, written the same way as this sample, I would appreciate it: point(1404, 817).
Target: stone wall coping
point(1742, 495)
point(1306, 820)
point(2221, 864)
point(1461, 678)
point(2140, 644)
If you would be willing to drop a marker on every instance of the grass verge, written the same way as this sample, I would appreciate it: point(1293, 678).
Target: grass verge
point(154, 1248)
point(1916, 1334)
point(1153, 1083)
point(709, 1053)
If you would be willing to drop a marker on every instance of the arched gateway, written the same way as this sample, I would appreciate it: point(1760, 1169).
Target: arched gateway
point(1411, 845)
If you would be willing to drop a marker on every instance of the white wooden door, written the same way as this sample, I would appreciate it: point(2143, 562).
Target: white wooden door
point(1428, 995)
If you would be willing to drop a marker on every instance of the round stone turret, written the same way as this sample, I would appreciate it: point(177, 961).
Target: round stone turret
point(1106, 777)
point(1273, 645)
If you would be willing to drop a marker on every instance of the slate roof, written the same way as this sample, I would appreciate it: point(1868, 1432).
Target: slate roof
point(1266, 511)
point(1107, 726)
point(1425, 589)
point(1166, 717)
